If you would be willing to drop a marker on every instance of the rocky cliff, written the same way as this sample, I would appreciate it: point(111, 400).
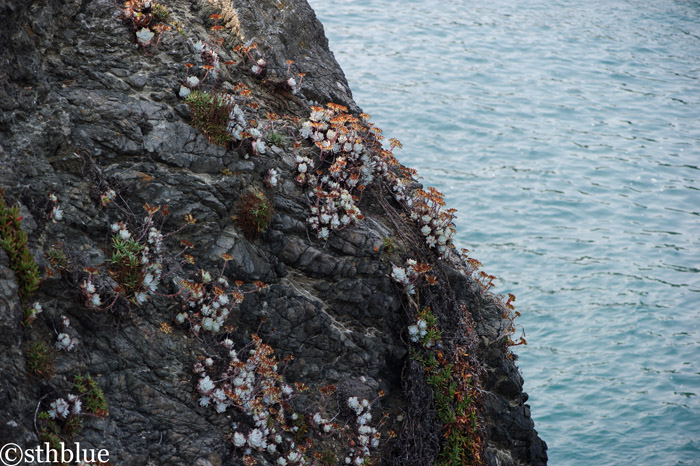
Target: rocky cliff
point(231, 270)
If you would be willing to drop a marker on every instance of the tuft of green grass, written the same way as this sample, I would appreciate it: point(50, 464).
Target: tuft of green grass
point(210, 115)
point(255, 214)
point(40, 359)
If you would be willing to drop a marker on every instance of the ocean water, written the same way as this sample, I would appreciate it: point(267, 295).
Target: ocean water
point(567, 134)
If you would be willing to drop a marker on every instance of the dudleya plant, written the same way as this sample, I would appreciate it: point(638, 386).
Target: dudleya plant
point(65, 340)
point(207, 302)
point(252, 384)
point(32, 312)
point(410, 275)
point(351, 156)
point(335, 191)
point(425, 331)
point(148, 19)
point(65, 414)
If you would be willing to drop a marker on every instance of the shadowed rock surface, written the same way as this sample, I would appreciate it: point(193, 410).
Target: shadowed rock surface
point(85, 109)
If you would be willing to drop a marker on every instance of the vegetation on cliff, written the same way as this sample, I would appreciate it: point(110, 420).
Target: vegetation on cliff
point(259, 265)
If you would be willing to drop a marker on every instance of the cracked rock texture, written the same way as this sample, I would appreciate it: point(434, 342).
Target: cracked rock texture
point(83, 107)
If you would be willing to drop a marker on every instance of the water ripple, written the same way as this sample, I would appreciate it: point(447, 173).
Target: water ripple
point(567, 135)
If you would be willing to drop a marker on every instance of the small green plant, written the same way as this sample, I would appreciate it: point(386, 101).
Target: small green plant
point(389, 245)
point(276, 139)
point(160, 13)
point(207, 301)
point(14, 241)
point(261, 216)
point(40, 359)
point(49, 430)
point(91, 395)
point(58, 259)
point(126, 261)
point(210, 115)
point(255, 214)
point(180, 28)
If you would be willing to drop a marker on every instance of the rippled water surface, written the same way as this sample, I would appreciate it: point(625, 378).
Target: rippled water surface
point(567, 133)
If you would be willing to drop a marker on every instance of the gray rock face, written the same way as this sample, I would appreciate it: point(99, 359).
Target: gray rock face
point(84, 109)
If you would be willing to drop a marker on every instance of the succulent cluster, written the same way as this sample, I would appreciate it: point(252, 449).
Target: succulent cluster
point(148, 18)
point(410, 274)
point(91, 297)
point(107, 197)
point(418, 331)
point(252, 383)
point(291, 81)
point(64, 415)
point(137, 262)
point(207, 303)
point(211, 63)
point(241, 125)
point(345, 166)
point(65, 340)
point(271, 178)
point(225, 117)
point(56, 211)
point(425, 331)
point(208, 58)
point(351, 156)
point(251, 52)
point(436, 224)
point(366, 437)
point(32, 312)
point(61, 409)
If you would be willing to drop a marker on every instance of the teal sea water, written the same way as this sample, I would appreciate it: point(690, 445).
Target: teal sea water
point(567, 133)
